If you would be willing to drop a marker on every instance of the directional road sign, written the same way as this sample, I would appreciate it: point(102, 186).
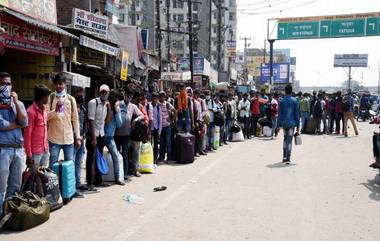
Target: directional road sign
point(354, 25)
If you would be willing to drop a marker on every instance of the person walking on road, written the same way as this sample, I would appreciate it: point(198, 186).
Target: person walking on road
point(348, 113)
point(243, 108)
point(288, 119)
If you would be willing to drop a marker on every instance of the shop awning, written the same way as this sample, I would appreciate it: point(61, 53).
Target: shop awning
point(40, 24)
point(78, 79)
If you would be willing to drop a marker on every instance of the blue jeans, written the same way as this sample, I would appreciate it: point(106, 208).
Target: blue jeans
point(274, 125)
point(41, 160)
point(123, 143)
point(166, 143)
point(288, 142)
point(79, 154)
point(111, 146)
point(12, 164)
point(184, 122)
point(227, 130)
point(305, 116)
point(210, 134)
point(68, 152)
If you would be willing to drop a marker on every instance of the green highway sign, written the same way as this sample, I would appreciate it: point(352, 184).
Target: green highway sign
point(357, 25)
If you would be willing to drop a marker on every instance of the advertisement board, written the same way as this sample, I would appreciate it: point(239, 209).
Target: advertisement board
point(351, 60)
point(44, 10)
point(280, 73)
point(124, 66)
point(90, 23)
point(201, 66)
point(22, 36)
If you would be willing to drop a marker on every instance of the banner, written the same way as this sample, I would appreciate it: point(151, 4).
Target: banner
point(97, 45)
point(124, 66)
point(45, 10)
point(90, 23)
point(280, 73)
point(22, 36)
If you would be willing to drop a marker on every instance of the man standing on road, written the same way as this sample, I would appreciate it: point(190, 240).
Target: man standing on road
point(243, 108)
point(13, 117)
point(288, 119)
point(348, 113)
point(305, 111)
point(63, 124)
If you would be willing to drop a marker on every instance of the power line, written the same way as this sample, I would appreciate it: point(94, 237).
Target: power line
point(281, 10)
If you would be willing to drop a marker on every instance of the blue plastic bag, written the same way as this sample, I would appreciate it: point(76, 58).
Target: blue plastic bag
point(101, 163)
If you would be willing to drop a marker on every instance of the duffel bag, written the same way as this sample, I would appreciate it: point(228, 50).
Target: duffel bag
point(25, 210)
point(50, 186)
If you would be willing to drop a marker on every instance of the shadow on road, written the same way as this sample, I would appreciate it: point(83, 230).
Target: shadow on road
point(374, 187)
point(280, 165)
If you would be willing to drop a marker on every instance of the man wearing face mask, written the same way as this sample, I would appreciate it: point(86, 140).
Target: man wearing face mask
point(13, 117)
point(212, 107)
point(63, 124)
point(97, 114)
point(78, 94)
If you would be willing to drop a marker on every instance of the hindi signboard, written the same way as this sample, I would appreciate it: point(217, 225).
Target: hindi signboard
point(90, 23)
point(351, 25)
point(22, 36)
point(44, 10)
point(351, 60)
point(97, 45)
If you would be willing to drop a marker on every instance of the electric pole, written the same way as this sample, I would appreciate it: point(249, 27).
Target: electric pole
point(349, 77)
point(158, 35)
point(246, 39)
point(190, 20)
point(168, 28)
point(219, 48)
point(210, 31)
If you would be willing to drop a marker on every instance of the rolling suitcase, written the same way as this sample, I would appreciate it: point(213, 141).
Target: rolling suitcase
point(311, 126)
point(185, 148)
point(66, 176)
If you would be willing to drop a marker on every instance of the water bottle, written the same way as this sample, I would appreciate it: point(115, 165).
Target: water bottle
point(61, 110)
point(131, 198)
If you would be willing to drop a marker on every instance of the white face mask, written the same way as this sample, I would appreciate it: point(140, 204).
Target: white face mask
point(208, 97)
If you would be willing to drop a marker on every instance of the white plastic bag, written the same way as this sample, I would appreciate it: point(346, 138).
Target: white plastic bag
point(267, 131)
point(297, 139)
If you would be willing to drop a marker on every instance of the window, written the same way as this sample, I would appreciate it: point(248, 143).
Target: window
point(180, 18)
point(232, 3)
point(121, 18)
point(195, 17)
point(195, 6)
point(214, 29)
point(137, 3)
point(215, 15)
point(138, 17)
point(232, 17)
point(177, 4)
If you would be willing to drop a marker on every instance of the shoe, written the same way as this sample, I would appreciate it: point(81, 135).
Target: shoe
point(225, 143)
point(91, 188)
point(120, 183)
point(102, 184)
point(78, 194)
point(196, 155)
point(83, 188)
point(283, 160)
point(214, 149)
point(202, 153)
point(137, 174)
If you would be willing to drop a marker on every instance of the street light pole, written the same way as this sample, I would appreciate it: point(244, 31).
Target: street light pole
point(190, 20)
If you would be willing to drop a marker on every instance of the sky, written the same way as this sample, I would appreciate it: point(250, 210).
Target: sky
point(315, 58)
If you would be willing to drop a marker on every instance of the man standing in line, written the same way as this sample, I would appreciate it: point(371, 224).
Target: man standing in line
point(348, 113)
point(305, 111)
point(97, 114)
point(288, 119)
point(167, 117)
point(13, 117)
point(243, 108)
point(35, 135)
point(274, 114)
point(63, 124)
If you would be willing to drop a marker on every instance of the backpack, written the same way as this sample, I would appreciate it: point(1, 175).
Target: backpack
point(346, 105)
point(318, 111)
point(140, 132)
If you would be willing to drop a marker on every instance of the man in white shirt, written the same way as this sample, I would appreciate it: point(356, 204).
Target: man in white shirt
point(97, 114)
point(243, 108)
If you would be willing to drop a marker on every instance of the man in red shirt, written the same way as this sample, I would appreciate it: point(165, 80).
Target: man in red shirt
point(256, 101)
point(35, 135)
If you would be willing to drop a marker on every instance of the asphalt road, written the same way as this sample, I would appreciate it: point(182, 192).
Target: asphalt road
point(241, 192)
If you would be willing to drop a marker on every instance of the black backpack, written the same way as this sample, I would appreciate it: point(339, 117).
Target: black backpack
point(318, 111)
point(346, 105)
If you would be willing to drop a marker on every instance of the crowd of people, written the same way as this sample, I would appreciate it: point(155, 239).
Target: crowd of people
point(122, 119)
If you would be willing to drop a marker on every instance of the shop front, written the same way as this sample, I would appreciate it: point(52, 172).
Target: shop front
point(29, 51)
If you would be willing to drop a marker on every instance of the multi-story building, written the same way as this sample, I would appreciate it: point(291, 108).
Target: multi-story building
point(174, 17)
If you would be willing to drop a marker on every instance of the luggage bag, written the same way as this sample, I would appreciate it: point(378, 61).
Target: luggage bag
point(66, 176)
point(185, 148)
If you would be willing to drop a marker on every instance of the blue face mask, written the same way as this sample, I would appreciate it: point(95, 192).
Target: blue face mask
point(5, 94)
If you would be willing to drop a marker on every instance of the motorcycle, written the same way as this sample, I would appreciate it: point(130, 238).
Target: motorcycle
point(364, 114)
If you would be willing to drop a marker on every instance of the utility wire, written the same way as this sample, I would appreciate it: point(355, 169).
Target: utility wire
point(281, 10)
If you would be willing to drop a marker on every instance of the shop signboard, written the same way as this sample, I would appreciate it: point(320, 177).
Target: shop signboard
point(90, 23)
point(351, 60)
point(280, 73)
point(231, 48)
point(97, 45)
point(44, 10)
point(124, 66)
point(22, 36)
point(176, 76)
point(200, 66)
point(90, 56)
